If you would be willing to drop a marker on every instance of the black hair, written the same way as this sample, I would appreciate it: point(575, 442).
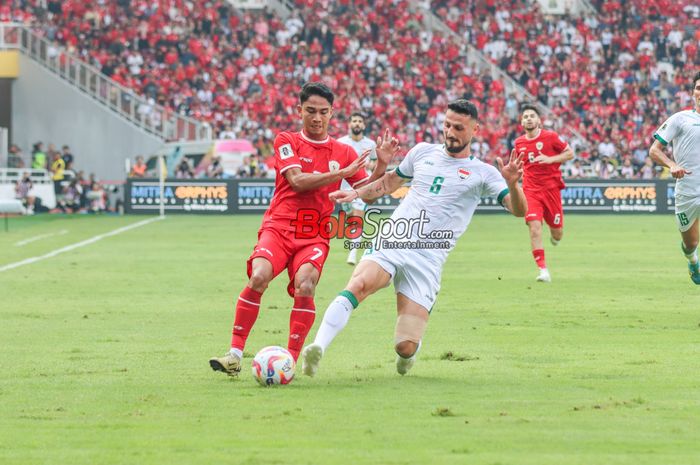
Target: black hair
point(357, 114)
point(530, 106)
point(464, 107)
point(315, 88)
point(695, 79)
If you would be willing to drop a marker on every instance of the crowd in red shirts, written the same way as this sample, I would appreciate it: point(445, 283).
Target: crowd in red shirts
point(614, 76)
point(241, 70)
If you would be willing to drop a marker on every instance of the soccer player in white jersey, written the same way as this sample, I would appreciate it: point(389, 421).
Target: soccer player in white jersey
point(682, 130)
point(447, 185)
point(361, 143)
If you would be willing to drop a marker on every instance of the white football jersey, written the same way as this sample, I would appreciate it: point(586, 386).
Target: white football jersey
point(447, 190)
point(682, 130)
point(360, 147)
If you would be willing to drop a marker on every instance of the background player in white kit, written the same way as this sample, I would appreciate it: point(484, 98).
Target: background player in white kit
point(682, 130)
point(358, 141)
point(447, 185)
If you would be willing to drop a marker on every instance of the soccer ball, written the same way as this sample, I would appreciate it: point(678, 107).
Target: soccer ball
point(273, 365)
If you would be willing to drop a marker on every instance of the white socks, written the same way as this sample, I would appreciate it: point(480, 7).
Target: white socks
point(334, 320)
point(236, 352)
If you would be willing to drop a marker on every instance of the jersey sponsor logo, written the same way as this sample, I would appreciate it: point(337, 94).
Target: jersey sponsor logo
point(333, 166)
point(463, 174)
point(305, 159)
point(286, 151)
point(664, 126)
point(539, 145)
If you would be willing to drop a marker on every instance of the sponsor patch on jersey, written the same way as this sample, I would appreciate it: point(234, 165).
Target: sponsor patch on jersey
point(286, 151)
point(463, 174)
point(664, 126)
point(539, 145)
point(333, 166)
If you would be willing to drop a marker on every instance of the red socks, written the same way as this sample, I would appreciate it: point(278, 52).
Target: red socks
point(247, 309)
point(538, 255)
point(300, 322)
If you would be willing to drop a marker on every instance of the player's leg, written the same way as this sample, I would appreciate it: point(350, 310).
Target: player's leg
point(554, 216)
point(411, 322)
point(358, 209)
point(538, 250)
point(266, 262)
point(688, 226)
point(533, 218)
point(367, 278)
point(417, 287)
point(303, 313)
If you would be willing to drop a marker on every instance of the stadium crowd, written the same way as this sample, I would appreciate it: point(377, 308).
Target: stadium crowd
point(240, 70)
point(75, 192)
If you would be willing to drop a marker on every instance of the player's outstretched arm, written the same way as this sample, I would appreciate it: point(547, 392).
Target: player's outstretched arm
point(387, 148)
point(515, 201)
point(302, 182)
point(372, 191)
point(657, 154)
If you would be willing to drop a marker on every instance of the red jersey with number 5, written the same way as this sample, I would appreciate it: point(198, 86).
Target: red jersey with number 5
point(541, 176)
point(295, 150)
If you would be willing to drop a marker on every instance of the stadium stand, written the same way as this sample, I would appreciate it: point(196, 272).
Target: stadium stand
point(240, 70)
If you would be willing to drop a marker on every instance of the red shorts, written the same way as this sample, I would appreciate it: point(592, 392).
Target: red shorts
point(283, 250)
point(545, 205)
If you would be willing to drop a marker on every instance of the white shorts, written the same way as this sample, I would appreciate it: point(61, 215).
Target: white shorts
point(687, 211)
point(415, 276)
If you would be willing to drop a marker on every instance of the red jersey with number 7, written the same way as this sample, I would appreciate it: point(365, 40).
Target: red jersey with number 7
point(540, 176)
point(295, 150)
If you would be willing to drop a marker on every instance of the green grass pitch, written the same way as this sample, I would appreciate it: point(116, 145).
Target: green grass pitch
point(105, 350)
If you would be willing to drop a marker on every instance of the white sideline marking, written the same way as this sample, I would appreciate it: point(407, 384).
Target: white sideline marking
point(39, 237)
point(77, 245)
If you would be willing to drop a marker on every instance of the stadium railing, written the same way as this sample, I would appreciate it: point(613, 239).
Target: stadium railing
point(148, 116)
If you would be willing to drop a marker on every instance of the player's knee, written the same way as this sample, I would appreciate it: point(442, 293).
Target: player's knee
point(259, 280)
point(359, 288)
point(406, 349)
point(306, 287)
point(690, 244)
point(557, 233)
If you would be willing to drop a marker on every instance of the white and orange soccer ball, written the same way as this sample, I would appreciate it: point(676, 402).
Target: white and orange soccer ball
point(273, 365)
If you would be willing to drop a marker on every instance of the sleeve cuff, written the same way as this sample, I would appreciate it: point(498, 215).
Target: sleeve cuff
point(502, 195)
point(289, 166)
point(660, 139)
point(398, 171)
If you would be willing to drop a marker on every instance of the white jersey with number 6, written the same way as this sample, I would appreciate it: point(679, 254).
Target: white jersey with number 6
point(682, 130)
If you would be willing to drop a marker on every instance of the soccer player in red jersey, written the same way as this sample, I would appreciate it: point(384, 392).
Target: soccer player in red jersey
point(543, 152)
point(309, 165)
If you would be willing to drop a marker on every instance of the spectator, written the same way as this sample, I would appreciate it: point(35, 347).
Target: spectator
point(138, 170)
point(183, 170)
point(69, 202)
point(647, 171)
point(67, 157)
point(627, 170)
point(576, 170)
point(215, 170)
point(58, 168)
point(39, 160)
point(15, 158)
point(23, 190)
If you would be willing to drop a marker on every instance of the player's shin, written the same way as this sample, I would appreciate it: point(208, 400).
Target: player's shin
point(691, 255)
point(336, 317)
point(247, 309)
point(300, 322)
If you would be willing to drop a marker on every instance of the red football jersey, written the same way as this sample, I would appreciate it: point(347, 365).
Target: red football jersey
point(294, 149)
point(539, 176)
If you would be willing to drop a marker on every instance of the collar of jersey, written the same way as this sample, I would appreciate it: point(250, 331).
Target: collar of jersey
point(536, 137)
point(324, 141)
